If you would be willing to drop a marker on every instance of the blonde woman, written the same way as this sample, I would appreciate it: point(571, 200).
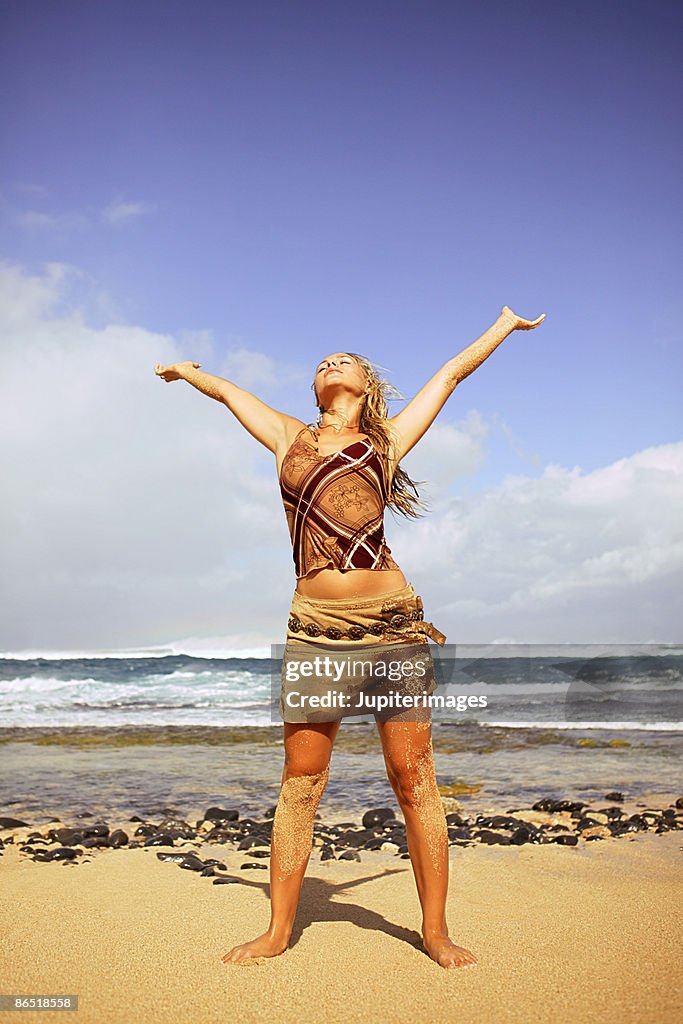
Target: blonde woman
point(336, 477)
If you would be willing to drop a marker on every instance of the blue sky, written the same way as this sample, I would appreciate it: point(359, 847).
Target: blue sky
point(263, 184)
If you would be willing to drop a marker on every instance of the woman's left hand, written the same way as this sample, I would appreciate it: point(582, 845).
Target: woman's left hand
point(520, 323)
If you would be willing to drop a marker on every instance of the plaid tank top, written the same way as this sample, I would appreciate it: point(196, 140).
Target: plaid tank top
point(335, 506)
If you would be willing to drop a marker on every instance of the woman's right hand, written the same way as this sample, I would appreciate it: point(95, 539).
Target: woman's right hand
point(169, 373)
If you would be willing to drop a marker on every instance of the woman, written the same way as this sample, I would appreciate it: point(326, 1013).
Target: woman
point(349, 588)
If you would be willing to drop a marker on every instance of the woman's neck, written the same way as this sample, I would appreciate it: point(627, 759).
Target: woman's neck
point(341, 419)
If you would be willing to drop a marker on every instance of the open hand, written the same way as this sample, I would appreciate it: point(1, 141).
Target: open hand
point(520, 323)
point(169, 373)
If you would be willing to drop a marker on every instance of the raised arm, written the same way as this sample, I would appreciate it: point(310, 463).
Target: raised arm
point(272, 428)
point(415, 419)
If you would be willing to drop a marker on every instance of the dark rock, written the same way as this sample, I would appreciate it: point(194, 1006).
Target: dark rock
point(621, 828)
point(639, 821)
point(220, 835)
point(270, 813)
point(499, 821)
point(377, 816)
point(616, 797)
point(567, 839)
point(248, 842)
point(574, 806)
point(95, 831)
point(349, 855)
point(61, 853)
point(96, 843)
point(543, 805)
point(160, 840)
point(455, 819)
point(146, 830)
point(118, 838)
point(553, 806)
point(190, 862)
point(248, 826)
point(220, 814)
point(522, 835)
point(222, 880)
point(374, 844)
point(612, 812)
point(255, 867)
point(587, 823)
point(65, 836)
point(356, 839)
point(679, 804)
point(13, 823)
point(327, 853)
point(492, 838)
point(459, 834)
point(177, 829)
point(259, 854)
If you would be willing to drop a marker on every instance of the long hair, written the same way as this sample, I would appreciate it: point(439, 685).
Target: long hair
point(403, 494)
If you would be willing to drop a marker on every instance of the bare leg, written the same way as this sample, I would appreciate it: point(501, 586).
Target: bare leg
point(409, 757)
point(307, 764)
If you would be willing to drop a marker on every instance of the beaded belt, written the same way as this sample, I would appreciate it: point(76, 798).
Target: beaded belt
point(357, 632)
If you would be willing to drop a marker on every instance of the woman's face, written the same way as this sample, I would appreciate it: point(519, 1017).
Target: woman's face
point(338, 372)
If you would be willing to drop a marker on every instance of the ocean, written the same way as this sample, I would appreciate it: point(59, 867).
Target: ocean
point(526, 686)
point(151, 730)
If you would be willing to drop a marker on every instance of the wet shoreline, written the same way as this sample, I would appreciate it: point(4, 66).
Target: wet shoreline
point(360, 737)
point(120, 771)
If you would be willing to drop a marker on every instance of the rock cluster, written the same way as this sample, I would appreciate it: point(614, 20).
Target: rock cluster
point(562, 822)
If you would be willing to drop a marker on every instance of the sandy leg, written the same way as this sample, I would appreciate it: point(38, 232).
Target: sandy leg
point(292, 838)
point(409, 758)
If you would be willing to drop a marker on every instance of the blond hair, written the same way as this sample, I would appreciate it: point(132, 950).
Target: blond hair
point(403, 494)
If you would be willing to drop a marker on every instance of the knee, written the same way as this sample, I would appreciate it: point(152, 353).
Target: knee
point(414, 784)
point(303, 787)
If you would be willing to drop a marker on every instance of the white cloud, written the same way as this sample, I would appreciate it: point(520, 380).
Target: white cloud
point(141, 512)
point(566, 557)
point(37, 219)
point(445, 453)
point(250, 369)
point(119, 212)
point(40, 220)
point(25, 299)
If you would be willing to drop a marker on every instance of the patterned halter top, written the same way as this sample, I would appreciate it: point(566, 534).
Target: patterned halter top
point(335, 506)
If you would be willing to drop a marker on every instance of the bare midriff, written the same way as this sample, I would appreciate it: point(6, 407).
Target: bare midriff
point(328, 584)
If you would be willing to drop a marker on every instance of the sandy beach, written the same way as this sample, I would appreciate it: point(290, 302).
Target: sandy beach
point(591, 932)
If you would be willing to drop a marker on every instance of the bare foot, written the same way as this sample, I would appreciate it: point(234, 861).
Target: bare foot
point(264, 945)
point(446, 953)
point(520, 323)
